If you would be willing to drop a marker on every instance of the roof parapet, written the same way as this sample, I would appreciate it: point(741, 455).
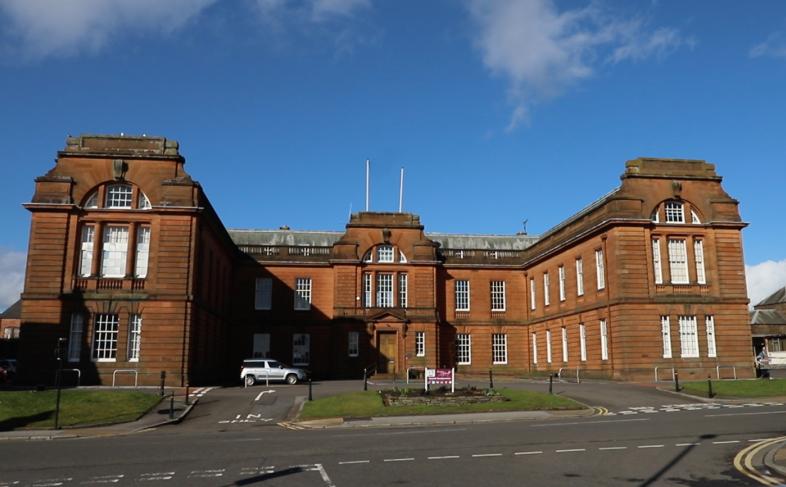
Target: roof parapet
point(653, 167)
point(122, 145)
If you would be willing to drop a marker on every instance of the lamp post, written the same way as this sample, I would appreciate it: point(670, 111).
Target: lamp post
point(59, 354)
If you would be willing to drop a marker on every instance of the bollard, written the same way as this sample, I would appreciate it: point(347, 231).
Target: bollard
point(172, 406)
point(551, 380)
point(310, 396)
point(365, 380)
point(676, 381)
point(491, 379)
point(709, 386)
point(188, 399)
point(163, 380)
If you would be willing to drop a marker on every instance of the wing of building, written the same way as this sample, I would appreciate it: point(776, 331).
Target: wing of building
point(131, 265)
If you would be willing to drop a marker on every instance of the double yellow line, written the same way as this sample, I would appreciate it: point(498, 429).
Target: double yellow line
point(743, 462)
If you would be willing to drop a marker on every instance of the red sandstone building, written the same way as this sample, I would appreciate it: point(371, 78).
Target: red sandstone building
point(129, 262)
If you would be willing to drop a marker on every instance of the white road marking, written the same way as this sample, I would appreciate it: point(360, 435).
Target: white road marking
point(324, 475)
point(650, 446)
point(398, 459)
point(259, 396)
point(743, 414)
point(446, 457)
point(481, 455)
point(613, 448)
point(156, 476)
point(687, 444)
point(534, 452)
point(549, 425)
point(725, 442)
point(104, 479)
point(218, 472)
point(570, 450)
point(51, 482)
point(353, 462)
point(756, 440)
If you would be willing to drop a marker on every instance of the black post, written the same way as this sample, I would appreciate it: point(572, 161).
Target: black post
point(172, 406)
point(491, 379)
point(58, 382)
point(677, 381)
point(365, 379)
point(709, 387)
point(188, 399)
point(163, 379)
point(310, 396)
point(551, 380)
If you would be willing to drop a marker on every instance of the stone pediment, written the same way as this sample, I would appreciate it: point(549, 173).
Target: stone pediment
point(388, 316)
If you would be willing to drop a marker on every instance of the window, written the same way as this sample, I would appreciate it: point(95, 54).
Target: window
point(775, 344)
point(353, 345)
point(499, 348)
point(368, 293)
point(656, 266)
point(678, 261)
point(604, 341)
point(562, 283)
point(497, 295)
point(118, 196)
point(580, 276)
point(548, 346)
point(385, 290)
point(142, 252)
point(462, 295)
point(105, 338)
point(402, 290)
point(134, 337)
point(600, 269)
point(583, 342)
point(401, 257)
point(655, 216)
point(698, 254)
point(75, 337)
point(142, 202)
point(92, 201)
point(301, 349)
point(86, 251)
point(464, 348)
point(385, 254)
point(534, 348)
point(261, 345)
point(546, 299)
point(709, 323)
point(675, 212)
point(303, 293)
point(564, 344)
point(689, 339)
point(420, 343)
point(694, 218)
point(263, 293)
point(532, 293)
point(113, 253)
point(665, 329)
point(368, 258)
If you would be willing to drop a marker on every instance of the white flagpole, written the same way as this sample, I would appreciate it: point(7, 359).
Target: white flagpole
point(368, 169)
point(401, 191)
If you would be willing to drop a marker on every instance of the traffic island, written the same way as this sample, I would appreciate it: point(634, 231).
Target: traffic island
point(736, 389)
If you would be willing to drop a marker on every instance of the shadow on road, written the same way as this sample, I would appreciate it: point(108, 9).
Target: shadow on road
point(269, 476)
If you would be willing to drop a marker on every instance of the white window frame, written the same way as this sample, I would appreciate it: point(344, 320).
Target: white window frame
point(464, 348)
point(675, 211)
point(105, 337)
point(709, 324)
point(368, 290)
point(75, 334)
point(497, 295)
point(462, 293)
point(86, 251)
point(561, 272)
point(564, 344)
point(263, 294)
point(580, 276)
point(134, 337)
point(694, 217)
point(534, 347)
point(600, 269)
point(698, 257)
point(402, 289)
point(385, 290)
point(689, 337)
point(92, 201)
point(420, 343)
point(583, 342)
point(386, 254)
point(604, 340)
point(301, 349)
point(532, 293)
point(678, 261)
point(114, 251)
point(142, 252)
point(260, 345)
point(143, 202)
point(665, 331)
point(302, 293)
point(353, 344)
point(657, 266)
point(548, 346)
point(546, 297)
point(119, 196)
point(499, 348)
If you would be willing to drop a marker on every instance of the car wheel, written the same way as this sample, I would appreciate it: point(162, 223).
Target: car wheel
point(291, 379)
point(250, 381)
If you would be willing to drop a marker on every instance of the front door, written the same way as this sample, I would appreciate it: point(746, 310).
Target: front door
point(388, 351)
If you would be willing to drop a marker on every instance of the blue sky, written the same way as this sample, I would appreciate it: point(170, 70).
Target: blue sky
point(499, 111)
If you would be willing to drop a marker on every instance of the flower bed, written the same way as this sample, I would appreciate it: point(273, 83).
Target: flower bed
point(441, 397)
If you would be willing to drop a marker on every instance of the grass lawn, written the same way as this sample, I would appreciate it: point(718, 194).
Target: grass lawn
point(369, 404)
point(738, 388)
point(36, 409)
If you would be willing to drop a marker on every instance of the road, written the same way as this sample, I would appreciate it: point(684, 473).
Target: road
point(663, 444)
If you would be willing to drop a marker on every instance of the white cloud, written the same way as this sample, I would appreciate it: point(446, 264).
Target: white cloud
point(311, 10)
point(12, 276)
point(764, 279)
point(774, 46)
point(41, 28)
point(542, 51)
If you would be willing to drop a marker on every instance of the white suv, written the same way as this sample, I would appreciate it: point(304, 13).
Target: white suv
point(258, 370)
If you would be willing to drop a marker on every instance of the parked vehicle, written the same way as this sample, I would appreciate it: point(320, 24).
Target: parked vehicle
point(262, 369)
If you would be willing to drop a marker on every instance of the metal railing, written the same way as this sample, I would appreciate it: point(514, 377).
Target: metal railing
point(409, 369)
point(719, 367)
point(578, 374)
point(657, 377)
point(78, 375)
point(126, 371)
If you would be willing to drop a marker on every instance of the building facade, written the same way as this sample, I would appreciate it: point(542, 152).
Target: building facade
point(130, 264)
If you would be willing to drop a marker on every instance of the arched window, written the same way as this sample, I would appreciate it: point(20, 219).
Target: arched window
point(675, 212)
point(118, 196)
point(384, 254)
